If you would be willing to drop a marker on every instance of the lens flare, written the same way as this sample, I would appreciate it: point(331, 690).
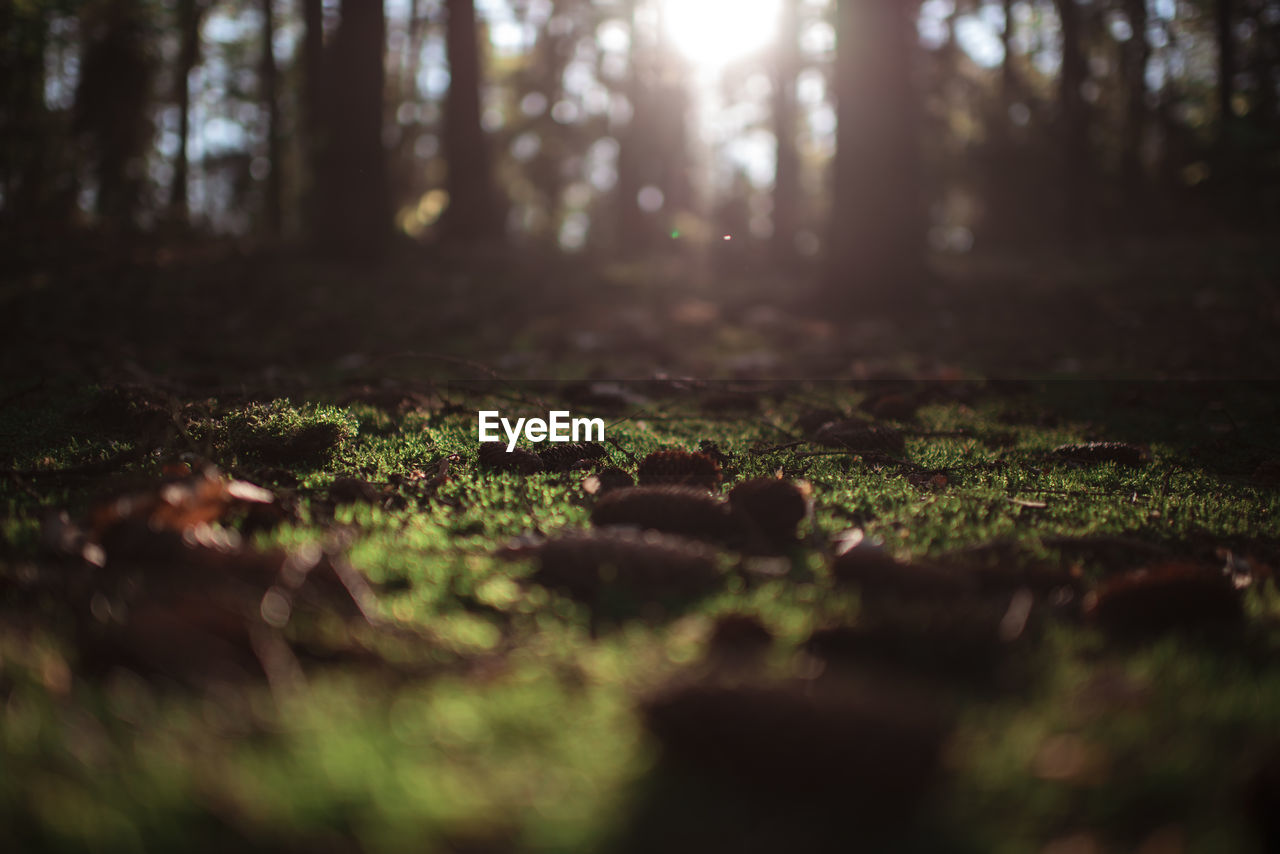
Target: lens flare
point(714, 33)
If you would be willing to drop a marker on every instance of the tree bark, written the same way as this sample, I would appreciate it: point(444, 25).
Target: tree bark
point(355, 216)
point(876, 238)
point(786, 182)
point(473, 212)
point(270, 97)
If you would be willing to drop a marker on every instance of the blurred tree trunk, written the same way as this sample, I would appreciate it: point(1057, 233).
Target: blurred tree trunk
point(23, 117)
point(1224, 17)
point(1073, 120)
point(355, 215)
point(632, 230)
point(113, 102)
point(875, 243)
point(271, 98)
point(1136, 55)
point(311, 53)
point(190, 13)
point(473, 212)
point(786, 182)
point(1008, 74)
point(313, 62)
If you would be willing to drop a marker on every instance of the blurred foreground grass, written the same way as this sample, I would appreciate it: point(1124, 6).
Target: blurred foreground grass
point(520, 724)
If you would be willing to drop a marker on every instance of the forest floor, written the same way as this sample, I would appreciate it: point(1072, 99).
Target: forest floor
point(258, 587)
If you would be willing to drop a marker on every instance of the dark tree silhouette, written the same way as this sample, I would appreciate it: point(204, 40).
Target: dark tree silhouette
point(24, 120)
point(1224, 19)
point(786, 182)
point(1137, 52)
point(271, 99)
point(550, 56)
point(473, 212)
point(190, 14)
point(355, 207)
point(1073, 120)
point(876, 239)
point(311, 52)
point(113, 97)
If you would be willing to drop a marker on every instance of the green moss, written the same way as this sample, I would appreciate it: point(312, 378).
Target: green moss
point(522, 732)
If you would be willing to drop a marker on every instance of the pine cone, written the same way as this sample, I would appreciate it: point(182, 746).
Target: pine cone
point(352, 490)
point(811, 421)
point(859, 437)
point(877, 575)
point(1165, 598)
point(957, 637)
point(891, 405)
point(611, 479)
point(879, 742)
point(736, 635)
point(1120, 453)
point(494, 455)
point(651, 566)
point(679, 468)
point(568, 456)
point(771, 507)
point(671, 509)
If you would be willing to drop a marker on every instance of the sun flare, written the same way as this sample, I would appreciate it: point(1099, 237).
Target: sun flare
point(713, 33)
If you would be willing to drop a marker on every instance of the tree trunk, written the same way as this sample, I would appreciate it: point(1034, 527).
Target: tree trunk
point(355, 206)
point(190, 13)
point(1008, 75)
point(311, 53)
point(631, 228)
point(112, 112)
point(1225, 24)
point(786, 182)
point(473, 212)
point(876, 238)
point(270, 96)
point(1136, 55)
point(1074, 129)
point(24, 161)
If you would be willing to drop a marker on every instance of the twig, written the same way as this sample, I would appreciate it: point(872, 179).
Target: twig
point(758, 452)
point(630, 456)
